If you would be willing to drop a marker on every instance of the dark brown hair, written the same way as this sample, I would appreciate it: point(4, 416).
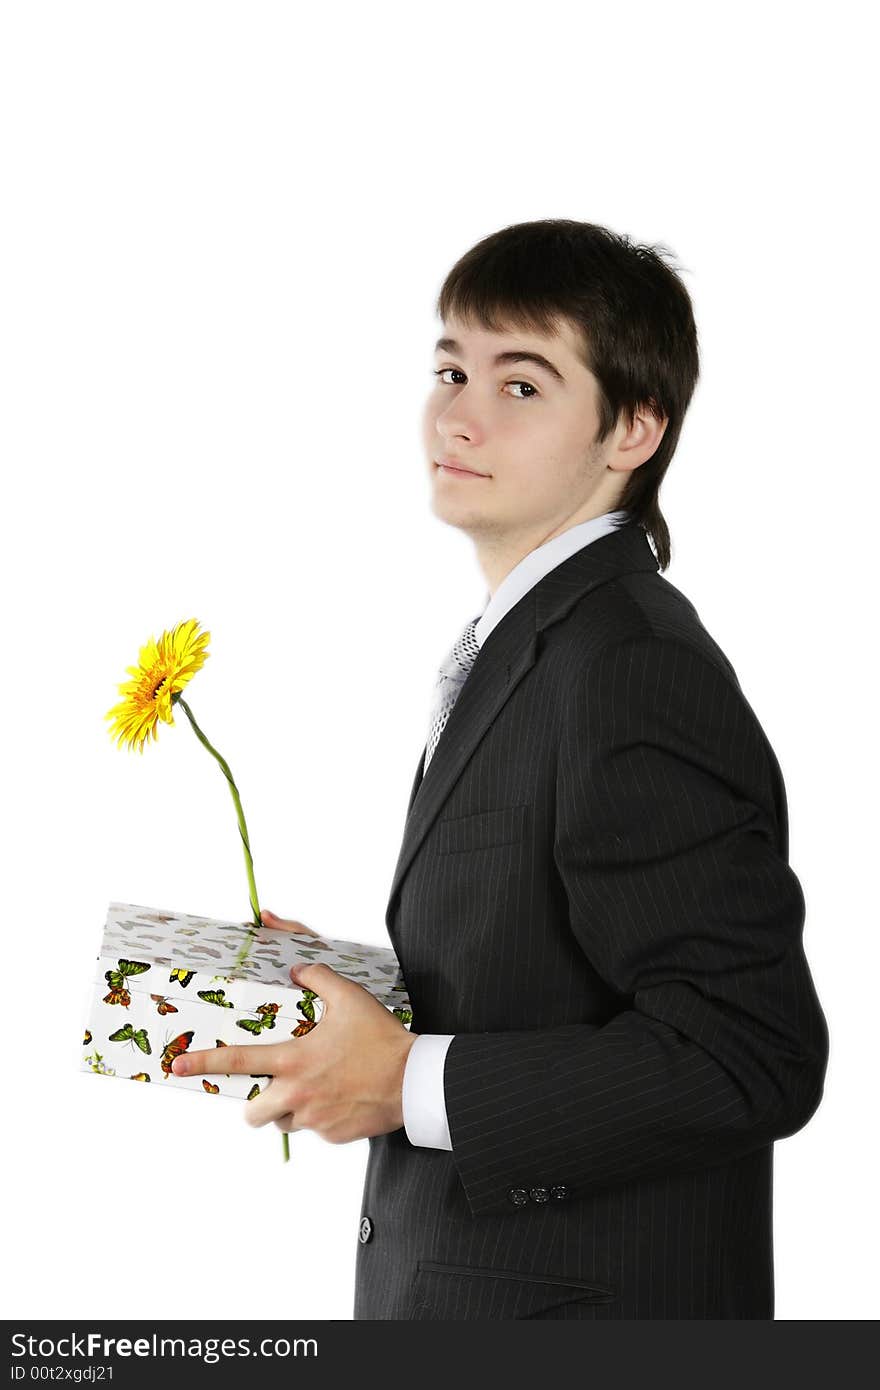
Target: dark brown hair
point(632, 313)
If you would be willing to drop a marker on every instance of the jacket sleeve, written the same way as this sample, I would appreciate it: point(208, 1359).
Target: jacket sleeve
point(671, 843)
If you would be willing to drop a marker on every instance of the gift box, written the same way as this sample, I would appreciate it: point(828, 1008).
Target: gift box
point(166, 982)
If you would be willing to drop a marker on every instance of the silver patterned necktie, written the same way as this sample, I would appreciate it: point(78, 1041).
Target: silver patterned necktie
point(451, 677)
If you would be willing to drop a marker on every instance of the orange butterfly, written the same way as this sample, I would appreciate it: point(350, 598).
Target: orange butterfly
point(174, 1049)
point(140, 1076)
point(302, 1028)
point(162, 1004)
point(118, 996)
point(210, 1087)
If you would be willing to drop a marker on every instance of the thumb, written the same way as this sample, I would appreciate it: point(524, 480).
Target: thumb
point(319, 978)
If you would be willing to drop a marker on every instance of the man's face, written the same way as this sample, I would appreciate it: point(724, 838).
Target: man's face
point(528, 428)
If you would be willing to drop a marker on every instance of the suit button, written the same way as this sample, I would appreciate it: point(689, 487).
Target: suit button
point(540, 1194)
point(518, 1196)
point(366, 1230)
point(558, 1192)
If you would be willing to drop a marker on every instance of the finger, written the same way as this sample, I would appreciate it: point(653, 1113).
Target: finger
point(287, 1124)
point(269, 919)
point(272, 1104)
point(260, 1059)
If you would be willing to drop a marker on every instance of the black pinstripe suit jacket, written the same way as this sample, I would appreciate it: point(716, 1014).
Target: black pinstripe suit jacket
point(593, 893)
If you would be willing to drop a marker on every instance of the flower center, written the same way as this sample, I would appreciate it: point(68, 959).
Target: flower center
point(159, 686)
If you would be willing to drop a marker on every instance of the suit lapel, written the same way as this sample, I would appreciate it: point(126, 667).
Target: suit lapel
point(506, 656)
point(417, 782)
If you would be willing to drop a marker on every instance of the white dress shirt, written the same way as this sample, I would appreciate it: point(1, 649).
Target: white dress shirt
point(424, 1100)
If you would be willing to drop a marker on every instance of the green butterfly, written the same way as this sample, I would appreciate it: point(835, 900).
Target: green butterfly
point(405, 1015)
point(184, 976)
point(254, 1091)
point(116, 978)
point(306, 1006)
point(216, 996)
point(267, 1014)
point(138, 1036)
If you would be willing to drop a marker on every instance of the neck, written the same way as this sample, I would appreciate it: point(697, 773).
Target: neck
point(498, 554)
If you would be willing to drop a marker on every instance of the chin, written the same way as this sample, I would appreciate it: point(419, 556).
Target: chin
point(453, 515)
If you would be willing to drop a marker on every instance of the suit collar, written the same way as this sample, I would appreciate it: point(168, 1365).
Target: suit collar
point(538, 562)
point(505, 657)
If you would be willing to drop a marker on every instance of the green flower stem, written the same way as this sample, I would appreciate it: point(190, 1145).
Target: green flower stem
point(249, 863)
point(242, 826)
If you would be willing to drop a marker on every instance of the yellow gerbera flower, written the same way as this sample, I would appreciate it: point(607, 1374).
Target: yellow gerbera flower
point(163, 669)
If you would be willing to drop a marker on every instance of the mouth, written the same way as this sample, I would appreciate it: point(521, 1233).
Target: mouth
point(455, 470)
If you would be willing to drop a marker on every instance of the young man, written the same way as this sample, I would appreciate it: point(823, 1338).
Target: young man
point(613, 1018)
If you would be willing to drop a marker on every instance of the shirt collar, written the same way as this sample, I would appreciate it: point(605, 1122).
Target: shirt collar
point(539, 562)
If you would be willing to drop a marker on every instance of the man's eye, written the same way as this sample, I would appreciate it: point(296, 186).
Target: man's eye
point(441, 371)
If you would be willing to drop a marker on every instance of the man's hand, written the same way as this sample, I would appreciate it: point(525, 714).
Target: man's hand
point(284, 923)
point(343, 1079)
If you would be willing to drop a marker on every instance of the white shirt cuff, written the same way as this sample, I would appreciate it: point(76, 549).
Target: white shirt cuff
point(424, 1100)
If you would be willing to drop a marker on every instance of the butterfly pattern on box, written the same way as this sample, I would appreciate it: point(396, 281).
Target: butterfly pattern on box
point(169, 981)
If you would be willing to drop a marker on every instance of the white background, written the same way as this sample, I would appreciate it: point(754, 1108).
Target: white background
point(225, 227)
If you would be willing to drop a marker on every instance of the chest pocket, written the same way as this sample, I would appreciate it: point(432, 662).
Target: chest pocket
point(502, 826)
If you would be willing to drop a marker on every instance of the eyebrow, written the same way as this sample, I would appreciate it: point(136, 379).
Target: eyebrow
point(452, 345)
